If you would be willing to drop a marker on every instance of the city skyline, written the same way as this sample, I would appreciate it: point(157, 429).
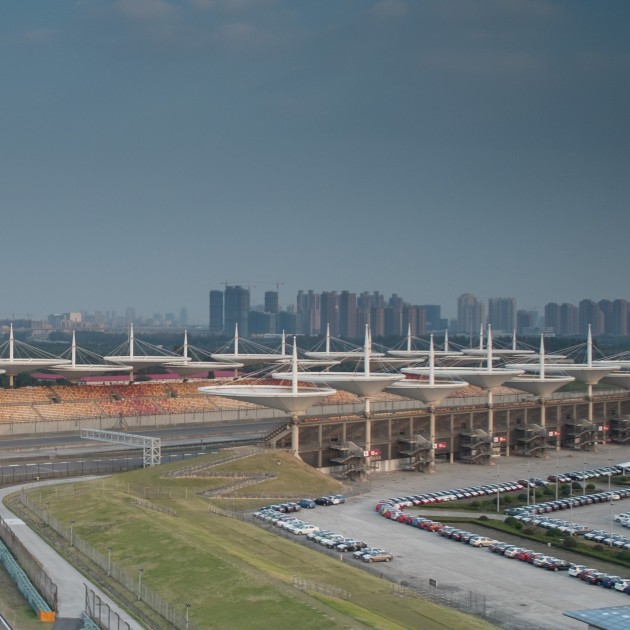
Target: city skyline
point(345, 314)
point(155, 149)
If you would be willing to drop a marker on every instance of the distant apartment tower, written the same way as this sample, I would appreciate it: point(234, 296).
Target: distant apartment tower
point(308, 313)
point(414, 319)
point(527, 323)
point(370, 312)
point(236, 310)
point(394, 316)
point(470, 314)
point(433, 317)
point(568, 324)
point(272, 302)
point(216, 312)
point(329, 307)
point(620, 313)
point(589, 313)
point(552, 316)
point(348, 315)
point(502, 314)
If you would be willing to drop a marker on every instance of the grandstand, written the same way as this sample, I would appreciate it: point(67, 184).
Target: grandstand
point(70, 402)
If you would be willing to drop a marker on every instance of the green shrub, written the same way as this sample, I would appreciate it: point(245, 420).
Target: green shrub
point(590, 486)
point(553, 533)
point(570, 542)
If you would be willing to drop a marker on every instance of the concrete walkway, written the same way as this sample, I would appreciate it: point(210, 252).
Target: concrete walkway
point(70, 583)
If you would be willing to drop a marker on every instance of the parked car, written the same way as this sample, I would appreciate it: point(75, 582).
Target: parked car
point(323, 501)
point(309, 504)
point(482, 541)
point(576, 569)
point(366, 552)
point(381, 556)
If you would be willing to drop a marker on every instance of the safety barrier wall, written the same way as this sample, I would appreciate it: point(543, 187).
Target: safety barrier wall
point(43, 597)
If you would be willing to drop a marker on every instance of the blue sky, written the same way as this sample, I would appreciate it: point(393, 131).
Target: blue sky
point(153, 149)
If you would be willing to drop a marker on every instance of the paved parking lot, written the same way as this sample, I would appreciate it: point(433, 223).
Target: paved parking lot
point(531, 596)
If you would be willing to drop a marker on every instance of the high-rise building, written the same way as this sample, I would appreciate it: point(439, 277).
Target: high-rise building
point(568, 319)
point(216, 312)
point(414, 319)
point(271, 302)
point(394, 316)
point(236, 310)
point(527, 323)
point(308, 313)
point(552, 316)
point(470, 314)
point(433, 317)
point(502, 314)
point(620, 313)
point(348, 315)
point(589, 313)
point(329, 306)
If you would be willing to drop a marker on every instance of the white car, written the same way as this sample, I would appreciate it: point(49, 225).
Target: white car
point(622, 585)
point(482, 541)
point(306, 528)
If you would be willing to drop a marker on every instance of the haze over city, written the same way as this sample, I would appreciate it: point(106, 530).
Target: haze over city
point(153, 150)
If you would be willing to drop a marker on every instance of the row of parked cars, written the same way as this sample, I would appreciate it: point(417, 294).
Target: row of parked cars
point(584, 475)
point(285, 519)
point(586, 574)
point(537, 559)
point(455, 494)
point(592, 576)
point(359, 549)
point(567, 503)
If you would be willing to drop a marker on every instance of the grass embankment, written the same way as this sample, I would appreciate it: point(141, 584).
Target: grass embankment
point(233, 574)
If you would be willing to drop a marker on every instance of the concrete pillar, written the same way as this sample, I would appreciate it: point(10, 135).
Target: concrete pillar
point(295, 437)
point(490, 414)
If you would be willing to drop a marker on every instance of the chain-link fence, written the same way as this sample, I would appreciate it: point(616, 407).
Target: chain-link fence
point(133, 585)
point(100, 613)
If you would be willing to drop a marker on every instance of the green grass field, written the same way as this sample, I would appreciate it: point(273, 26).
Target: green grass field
point(233, 574)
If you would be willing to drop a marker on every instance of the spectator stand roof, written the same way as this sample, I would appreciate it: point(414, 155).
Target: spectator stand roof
point(141, 355)
point(17, 357)
point(198, 361)
point(610, 618)
point(85, 363)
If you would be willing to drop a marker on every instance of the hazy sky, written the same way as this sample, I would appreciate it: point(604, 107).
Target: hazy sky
point(152, 149)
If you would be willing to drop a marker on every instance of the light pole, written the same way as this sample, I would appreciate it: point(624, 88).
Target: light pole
point(610, 500)
point(109, 561)
point(140, 571)
point(72, 533)
point(187, 609)
point(498, 486)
